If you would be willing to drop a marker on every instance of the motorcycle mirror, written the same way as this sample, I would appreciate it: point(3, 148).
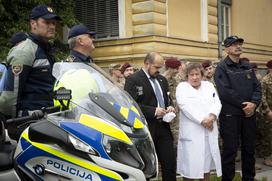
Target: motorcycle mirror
point(64, 97)
point(63, 94)
point(46, 132)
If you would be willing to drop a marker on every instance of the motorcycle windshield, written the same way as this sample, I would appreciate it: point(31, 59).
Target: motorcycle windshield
point(95, 94)
point(96, 99)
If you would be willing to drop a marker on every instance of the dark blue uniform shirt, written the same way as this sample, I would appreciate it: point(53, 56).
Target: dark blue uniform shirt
point(28, 81)
point(236, 83)
point(76, 56)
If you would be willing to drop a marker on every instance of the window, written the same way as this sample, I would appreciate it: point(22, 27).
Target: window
point(226, 17)
point(100, 16)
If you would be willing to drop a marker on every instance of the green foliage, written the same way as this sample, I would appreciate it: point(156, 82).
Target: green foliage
point(14, 17)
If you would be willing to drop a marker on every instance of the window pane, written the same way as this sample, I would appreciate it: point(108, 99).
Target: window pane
point(100, 16)
point(227, 16)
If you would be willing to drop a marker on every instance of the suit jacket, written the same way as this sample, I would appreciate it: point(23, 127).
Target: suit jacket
point(139, 87)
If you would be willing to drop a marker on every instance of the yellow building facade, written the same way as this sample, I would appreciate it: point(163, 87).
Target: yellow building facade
point(187, 29)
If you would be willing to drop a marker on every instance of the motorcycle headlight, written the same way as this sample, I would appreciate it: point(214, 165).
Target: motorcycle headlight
point(81, 146)
point(122, 152)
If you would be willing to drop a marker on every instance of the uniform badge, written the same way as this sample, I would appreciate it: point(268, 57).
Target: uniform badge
point(50, 9)
point(139, 90)
point(70, 58)
point(17, 69)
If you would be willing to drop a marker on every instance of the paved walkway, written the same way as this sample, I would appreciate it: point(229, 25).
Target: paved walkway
point(265, 174)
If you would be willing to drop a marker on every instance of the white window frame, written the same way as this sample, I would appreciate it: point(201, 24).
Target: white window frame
point(204, 20)
point(226, 30)
point(122, 18)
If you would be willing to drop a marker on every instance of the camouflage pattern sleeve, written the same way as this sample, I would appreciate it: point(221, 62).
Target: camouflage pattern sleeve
point(266, 94)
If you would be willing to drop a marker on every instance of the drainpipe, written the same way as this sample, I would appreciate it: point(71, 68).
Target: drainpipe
point(219, 23)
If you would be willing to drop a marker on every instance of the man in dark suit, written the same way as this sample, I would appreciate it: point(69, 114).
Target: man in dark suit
point(149, 89)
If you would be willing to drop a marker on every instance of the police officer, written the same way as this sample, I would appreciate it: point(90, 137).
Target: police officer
point(30, 82)
point(80, 40)
point(16, 39)
point(240, 94)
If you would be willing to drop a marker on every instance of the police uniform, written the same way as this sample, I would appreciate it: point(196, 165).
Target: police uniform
point(28, 83)
point(2, 70)
point(29, 80)
point(76, 56)
point(236, 83)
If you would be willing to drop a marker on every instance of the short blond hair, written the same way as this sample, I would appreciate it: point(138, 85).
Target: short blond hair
point(193, 66)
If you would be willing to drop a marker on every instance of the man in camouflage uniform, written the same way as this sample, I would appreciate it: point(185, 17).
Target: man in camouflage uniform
point(264, 148)
point(208, 71)
point(172, 65)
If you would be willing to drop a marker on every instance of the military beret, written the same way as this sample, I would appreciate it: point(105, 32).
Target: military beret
point(172, 63)
point(269, 64)
point(232, 39)
point(206, 63)
point(124, 67)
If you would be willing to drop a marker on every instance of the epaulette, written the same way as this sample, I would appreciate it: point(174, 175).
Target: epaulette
point(70, 58)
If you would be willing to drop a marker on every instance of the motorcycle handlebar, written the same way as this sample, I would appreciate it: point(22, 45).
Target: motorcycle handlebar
point(34, 116)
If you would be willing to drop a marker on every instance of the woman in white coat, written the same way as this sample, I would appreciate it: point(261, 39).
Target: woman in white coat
point(198, 151)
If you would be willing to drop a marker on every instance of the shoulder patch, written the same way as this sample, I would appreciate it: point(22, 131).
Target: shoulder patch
point(17, 69)
point(70, 58)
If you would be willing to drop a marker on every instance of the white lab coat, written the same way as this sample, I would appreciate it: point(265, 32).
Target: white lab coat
point(195, 105)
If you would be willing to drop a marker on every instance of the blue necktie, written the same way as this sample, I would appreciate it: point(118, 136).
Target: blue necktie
point(158, 93)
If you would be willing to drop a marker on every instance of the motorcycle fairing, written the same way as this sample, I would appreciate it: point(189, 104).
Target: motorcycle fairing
point(132, 115)
point(104, 127)
point(38, 149)
point(86, 134)
point(24, 143)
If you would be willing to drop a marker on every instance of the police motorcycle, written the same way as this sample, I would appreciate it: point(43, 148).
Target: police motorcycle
point(100, 134)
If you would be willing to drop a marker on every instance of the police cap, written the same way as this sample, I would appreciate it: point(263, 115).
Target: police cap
point(79, 30)
point(43, 11)
point(232, 39)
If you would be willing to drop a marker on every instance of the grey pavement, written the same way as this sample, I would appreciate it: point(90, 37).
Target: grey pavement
point(264, 174)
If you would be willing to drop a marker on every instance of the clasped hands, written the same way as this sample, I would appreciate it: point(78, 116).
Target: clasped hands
point(249, 109)
point(207, 122)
